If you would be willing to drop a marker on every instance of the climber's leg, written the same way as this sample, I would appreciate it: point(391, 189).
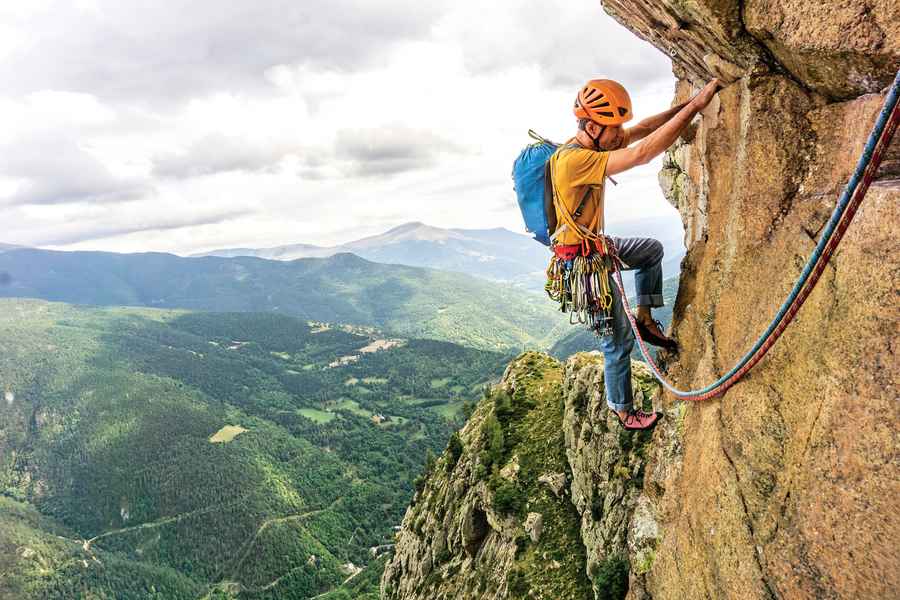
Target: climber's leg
point(616, 350)
point(645, 256)
point(617, 369)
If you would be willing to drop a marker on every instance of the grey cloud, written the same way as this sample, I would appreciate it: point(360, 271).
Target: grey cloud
point(58, 170)
point(585, 43)
point(219, 153)
point(390, 150)
point(92, 230)
point(158, 52)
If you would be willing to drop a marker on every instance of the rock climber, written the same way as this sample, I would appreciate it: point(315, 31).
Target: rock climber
point(603, 147)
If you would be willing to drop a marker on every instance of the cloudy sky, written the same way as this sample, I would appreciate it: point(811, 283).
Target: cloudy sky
point(183, 126)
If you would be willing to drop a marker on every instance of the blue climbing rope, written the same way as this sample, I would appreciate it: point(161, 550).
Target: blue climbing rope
point(887, 110)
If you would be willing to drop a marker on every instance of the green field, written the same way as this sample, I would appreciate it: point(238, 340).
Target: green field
point(317, 416)
point(227, 433)
point(450, 410)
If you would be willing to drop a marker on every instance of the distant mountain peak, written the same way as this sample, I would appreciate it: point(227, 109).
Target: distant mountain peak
point(413, 231)
point(407, 227)
point(345, 258)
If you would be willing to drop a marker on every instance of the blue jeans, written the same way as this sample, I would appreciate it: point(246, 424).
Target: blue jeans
point(645, 255)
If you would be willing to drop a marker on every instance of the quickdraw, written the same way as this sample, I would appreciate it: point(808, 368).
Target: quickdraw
point(578, 279)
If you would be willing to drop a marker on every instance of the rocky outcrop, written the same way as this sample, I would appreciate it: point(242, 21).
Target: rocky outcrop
point(839, 50)
point(802, 454)
point(788, 486)
point(535, 501)
point(607, 463)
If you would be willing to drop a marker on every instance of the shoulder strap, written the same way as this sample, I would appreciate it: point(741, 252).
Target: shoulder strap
point(567, 217)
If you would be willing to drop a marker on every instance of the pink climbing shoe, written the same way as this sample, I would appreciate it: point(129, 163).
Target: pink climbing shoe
point(638, 419)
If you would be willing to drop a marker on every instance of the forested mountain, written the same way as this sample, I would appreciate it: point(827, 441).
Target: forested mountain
point(344, 288)
point(496, 254)
point(168, 454)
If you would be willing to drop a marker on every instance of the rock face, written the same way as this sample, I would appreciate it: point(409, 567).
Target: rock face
point(788, 486)
point(780, 482)
point(837, 49)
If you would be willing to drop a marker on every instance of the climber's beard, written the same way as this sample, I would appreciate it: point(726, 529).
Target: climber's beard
point(615, 145)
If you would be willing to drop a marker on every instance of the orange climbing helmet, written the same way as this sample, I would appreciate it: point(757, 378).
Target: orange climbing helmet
point(603, 101)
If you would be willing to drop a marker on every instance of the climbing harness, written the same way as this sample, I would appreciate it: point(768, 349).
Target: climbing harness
point(578, 274)
point(853, 195)
point(578, 279)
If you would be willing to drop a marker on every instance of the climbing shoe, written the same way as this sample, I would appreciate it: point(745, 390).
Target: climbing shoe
point(638, 419)
point(654, 335)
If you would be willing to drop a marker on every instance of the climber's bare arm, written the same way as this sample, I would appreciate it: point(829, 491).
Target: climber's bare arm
point(651, 124)
point(657, 142)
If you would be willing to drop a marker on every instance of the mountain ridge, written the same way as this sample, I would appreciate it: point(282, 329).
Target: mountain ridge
point(496, 254)
point(412, 301)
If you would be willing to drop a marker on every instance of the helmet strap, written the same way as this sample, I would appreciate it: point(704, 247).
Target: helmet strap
point(596, 140)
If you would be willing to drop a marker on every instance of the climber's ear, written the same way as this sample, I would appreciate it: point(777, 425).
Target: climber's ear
point(592, 129)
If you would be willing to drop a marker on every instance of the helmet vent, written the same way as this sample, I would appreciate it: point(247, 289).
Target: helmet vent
point(622, 111)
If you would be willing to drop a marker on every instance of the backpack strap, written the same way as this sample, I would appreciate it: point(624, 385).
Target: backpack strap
point(587, 192)
point(568, 218)
point(550, 202)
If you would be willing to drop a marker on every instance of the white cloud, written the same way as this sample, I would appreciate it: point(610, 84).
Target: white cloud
point(154, 53)
point(225, 126)
point(570, 42)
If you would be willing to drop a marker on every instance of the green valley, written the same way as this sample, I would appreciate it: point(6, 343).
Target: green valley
point(150, 453)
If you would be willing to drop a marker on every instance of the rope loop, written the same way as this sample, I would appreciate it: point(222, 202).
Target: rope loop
point(850, 200)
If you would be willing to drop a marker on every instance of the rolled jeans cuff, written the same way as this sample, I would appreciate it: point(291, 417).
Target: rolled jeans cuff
point(619, 407)
point(651, 300)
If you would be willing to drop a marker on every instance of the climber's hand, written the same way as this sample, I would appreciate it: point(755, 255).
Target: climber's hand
point(706, 94)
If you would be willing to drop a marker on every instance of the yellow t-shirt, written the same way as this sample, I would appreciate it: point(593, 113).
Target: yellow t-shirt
point(574, 170)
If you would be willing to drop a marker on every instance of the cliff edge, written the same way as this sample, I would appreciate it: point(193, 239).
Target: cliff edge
point(788, 485)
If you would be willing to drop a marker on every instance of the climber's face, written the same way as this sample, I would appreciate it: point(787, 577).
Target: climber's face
point(610, 137)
